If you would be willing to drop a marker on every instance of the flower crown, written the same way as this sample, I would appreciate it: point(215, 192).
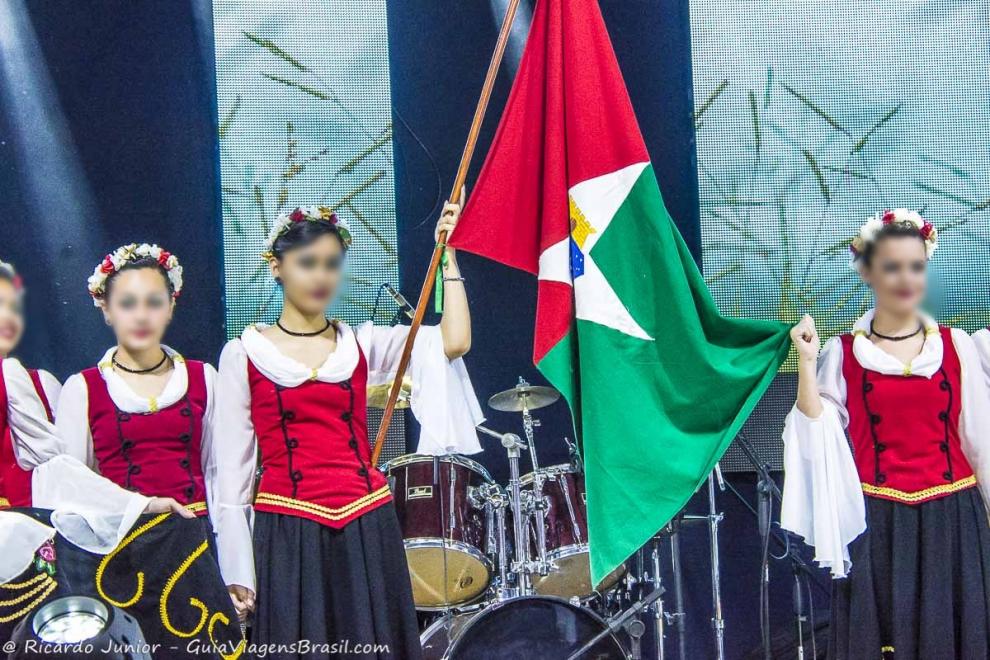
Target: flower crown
point(303, 214)
point(11, 272)
point(126, 254)
point(868, 232)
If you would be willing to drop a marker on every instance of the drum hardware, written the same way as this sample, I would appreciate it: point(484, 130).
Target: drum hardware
point(523, 395)
point(628, 621)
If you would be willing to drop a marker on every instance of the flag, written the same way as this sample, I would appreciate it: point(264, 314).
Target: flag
point(658, 381)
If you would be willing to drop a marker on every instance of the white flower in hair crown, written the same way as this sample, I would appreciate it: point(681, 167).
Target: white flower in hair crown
point(306, 214)
point(868, 232)
point(11, 272)
point(125, 254)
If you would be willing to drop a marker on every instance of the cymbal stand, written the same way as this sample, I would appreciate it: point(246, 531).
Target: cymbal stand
point(714, 518)
point(513, 445)
point(539, 506)
point(654, 579)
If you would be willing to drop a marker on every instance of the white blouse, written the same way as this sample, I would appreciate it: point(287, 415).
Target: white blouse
point(982, 340)
point(88, 510)
point(72, 419)
point(442, 399)
point(823, 497)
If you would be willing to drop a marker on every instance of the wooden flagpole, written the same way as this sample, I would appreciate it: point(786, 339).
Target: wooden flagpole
point(455, 195)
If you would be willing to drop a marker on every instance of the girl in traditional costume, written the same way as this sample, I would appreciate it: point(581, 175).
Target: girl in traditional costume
point(36, 477)
point(900, 519)
point(328, 551)
point(22, 391)
point(141, 417)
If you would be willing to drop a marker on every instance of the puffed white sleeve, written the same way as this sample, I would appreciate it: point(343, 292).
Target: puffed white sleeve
point(443, 398)
point(35, 439)
point(88, 509)
point(22, 536)
point(974, 420)
point(72, 421)
point(981, 340)
point(52, 387)
point(231, 468)
point(823, 500)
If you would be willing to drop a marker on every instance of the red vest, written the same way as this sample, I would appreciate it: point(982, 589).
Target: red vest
point(157, 454)
point(905, 429)
point(314, 450)
point(15, 481)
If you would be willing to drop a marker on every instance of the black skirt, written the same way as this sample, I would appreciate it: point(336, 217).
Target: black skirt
point(919, 583)
point(343, 592)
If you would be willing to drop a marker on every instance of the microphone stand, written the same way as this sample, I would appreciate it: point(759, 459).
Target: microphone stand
point(768, 491)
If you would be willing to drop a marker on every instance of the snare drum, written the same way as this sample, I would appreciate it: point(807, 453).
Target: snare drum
point(566, 526)
point(444, 527)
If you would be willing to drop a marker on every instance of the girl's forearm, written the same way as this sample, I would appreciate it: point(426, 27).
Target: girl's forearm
point(809, 401)
point(455, 325)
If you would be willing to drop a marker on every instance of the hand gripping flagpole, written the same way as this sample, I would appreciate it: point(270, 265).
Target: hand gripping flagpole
point(455, 197)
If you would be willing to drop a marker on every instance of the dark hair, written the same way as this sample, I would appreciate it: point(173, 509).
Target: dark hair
point(303, 233)
point(139, 264)
point(893, 230)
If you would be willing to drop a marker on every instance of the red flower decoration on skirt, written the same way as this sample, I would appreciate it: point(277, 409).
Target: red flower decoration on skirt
point(47, 552)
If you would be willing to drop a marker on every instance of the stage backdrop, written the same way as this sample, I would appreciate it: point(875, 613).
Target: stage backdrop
point(107, 136)
point(305, 118)
point(811, 117)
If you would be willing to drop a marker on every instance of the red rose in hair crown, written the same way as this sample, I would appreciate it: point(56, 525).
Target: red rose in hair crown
point(306, 213)
point(875, 223)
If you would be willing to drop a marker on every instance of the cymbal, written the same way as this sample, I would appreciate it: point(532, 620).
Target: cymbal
point(378, 394)
point(530, 396)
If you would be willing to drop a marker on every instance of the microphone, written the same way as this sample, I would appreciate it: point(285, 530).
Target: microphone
point(400, 300)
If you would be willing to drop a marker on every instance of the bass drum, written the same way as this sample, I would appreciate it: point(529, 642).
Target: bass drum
point(534, 627)
point(436, 639)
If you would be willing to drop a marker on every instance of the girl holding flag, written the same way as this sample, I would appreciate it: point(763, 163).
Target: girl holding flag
point(303, 516)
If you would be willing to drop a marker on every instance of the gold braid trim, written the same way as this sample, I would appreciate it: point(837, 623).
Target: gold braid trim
point(919, 495)
point(48, 586)
point(222, 618)
point(27, 594)
point(4, 503)
point(27, 583)
point(173, 579)
point(157, 520)
point(272, 499)
point(196, 507)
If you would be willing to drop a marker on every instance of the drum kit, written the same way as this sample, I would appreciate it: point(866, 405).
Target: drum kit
point(504, 571)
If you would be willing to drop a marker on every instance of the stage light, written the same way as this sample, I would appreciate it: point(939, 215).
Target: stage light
point(70, 620)
point(79, 627)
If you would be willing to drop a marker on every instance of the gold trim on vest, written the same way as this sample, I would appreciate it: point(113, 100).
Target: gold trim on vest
point(920, 495)
point(271, 499)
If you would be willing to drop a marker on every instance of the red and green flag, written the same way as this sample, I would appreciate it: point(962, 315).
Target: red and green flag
point(658, 381)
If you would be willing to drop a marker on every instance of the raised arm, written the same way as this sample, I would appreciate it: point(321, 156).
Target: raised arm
point(806, 341)
point(455, 324)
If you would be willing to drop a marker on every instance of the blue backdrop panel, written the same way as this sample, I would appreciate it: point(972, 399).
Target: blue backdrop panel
point(108, 136)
